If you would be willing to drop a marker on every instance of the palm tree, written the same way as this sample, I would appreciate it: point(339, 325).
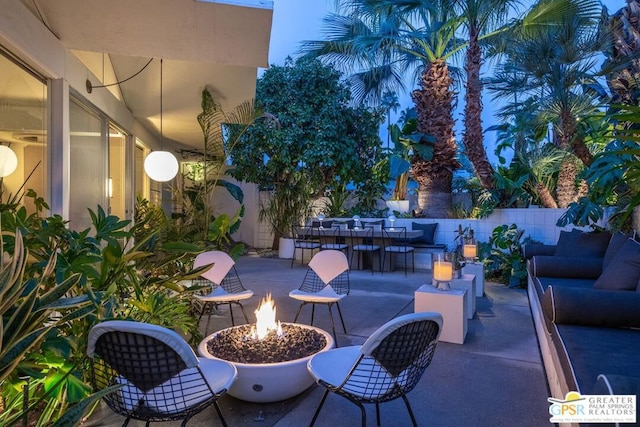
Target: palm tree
point(480, 18)
point(551, 64)
point(378, 42)
point(622, 55)
point(389, 102)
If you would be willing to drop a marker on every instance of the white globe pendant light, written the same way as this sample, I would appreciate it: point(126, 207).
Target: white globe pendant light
point(161, 166)
point(8, 161)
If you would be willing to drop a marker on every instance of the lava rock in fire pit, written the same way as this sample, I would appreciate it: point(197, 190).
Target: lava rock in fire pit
point(236, 345)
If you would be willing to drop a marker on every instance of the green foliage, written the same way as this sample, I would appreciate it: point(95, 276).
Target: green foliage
point(308, 141)
point(59, 282)
point(614, 176)
point(503, 255)
point(407, 142)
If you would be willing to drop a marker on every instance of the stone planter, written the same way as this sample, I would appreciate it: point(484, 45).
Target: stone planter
point(286, 248)
point(401, 206)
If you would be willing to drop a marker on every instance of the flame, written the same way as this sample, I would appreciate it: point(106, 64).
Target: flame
point(266, 319)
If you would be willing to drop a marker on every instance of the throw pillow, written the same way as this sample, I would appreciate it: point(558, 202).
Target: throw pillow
point(428, 232)
point(623, 272)
point(566, 243)
point(616, 242)
point(580, 244)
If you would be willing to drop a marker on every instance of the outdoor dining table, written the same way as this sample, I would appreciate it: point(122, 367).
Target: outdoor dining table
point(360, 233)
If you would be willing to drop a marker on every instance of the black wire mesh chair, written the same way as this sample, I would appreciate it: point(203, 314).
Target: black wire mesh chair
point(160, 376)
point(334, 240)
point(362, 242)
point(387, 366)
point(304, 238)
point(326, 282)
point(226, 286)
point(394, 240)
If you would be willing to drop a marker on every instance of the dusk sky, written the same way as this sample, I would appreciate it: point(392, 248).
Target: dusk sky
point(297, 20)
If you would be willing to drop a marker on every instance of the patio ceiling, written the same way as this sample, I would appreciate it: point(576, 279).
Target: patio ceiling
point(217, 44)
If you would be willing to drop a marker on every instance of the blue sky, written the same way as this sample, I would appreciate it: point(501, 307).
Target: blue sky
point(297, 20)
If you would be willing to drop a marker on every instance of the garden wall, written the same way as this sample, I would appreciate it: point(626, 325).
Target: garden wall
point(538, 224)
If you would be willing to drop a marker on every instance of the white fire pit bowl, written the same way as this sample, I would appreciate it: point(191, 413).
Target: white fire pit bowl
point(270, 382)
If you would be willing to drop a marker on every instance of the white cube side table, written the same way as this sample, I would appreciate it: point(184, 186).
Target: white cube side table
point(451, 304)
point(477, 269)
point(468, 282)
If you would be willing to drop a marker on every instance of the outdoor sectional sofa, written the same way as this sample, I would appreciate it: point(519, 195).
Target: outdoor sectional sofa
point(585, 300)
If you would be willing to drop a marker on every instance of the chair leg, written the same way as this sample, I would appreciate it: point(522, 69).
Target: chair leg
point(315, 414)
point(378, 414)
point(246, 319)
point(341, 319)
point(313, 312)
point(405, 264)
point(413, 418)
point(222, 420)
point(298, 313)
point(233, 322)
point(413, 261)
point(384, 260)
point(333, 326)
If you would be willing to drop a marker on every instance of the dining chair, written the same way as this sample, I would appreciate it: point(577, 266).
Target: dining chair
point(394, 240)
point(225, 283)
point(362, 241)
point(334, 239)
point(386, 367)
point(305, 238)
point(157, 375)
point(326, 282)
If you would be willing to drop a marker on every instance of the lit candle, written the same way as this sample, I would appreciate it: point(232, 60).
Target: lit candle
point(442, 271)
point(469, 251)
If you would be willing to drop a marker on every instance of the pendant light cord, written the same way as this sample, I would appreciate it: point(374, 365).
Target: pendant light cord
point(90, 86)
point(161, 132)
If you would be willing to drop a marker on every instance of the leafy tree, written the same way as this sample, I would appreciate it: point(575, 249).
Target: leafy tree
point(309, 139)
point(379, 42)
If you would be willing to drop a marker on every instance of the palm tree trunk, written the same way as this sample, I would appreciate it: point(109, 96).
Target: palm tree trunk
point(545, 196)
point(473, 137)
point(434, 109)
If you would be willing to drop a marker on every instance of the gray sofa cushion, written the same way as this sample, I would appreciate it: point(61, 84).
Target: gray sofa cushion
point(557, 266)
point(623, 272)
point(592, 307)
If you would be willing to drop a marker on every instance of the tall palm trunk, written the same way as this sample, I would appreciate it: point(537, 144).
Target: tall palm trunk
point(570, 140)
point(434, 109)
point(473, 138)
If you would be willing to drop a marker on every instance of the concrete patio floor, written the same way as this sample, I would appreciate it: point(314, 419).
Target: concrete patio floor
point(494, 379)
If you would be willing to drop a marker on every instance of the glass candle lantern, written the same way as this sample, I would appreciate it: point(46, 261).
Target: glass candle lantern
point(321, 219)
point(356, 220)
point(470, 250)
point(392, 219)
point(442, 272)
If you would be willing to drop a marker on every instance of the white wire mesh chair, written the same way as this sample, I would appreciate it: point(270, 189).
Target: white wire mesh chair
point(395, 241)
point(387, 366)
point(222, 277)
point(160, 377)
point(326, 282)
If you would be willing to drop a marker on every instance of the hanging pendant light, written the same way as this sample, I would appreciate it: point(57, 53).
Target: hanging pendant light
point(8, 161)
point(161, 165)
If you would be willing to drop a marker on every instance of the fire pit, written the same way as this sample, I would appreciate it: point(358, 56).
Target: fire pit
point(271, 357)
